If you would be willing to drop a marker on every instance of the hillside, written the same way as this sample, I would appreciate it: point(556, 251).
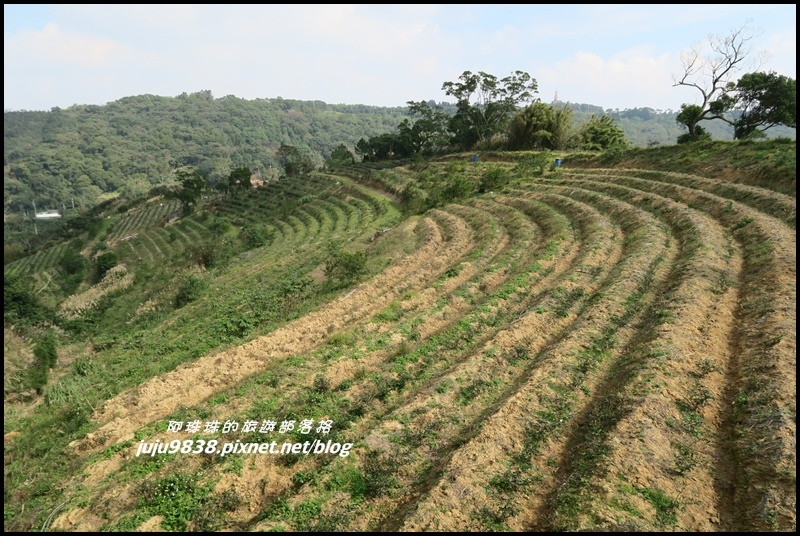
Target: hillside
point(454, 345)
point(84, 154)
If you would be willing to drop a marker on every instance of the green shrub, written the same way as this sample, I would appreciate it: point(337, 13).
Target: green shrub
point(37, 376)
point(104, 263)
point(256, 236)
point(189, 291)
point(219, 226)
point(533, 165)
point(321, 384)
point(391, 313)
point(72, 268)
point(343, 268)
point(178, 498)
point(494, 178)
point(202, 254)
point(19, 301)
point(456, 187)
point(208, 254)
point(45, 350)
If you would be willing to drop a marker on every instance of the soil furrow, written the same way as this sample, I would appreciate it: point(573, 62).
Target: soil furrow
point(760, 441)
point(382, 414)
point(193, 382)
point(778, 205)
point(732, 215)
point(500, 435)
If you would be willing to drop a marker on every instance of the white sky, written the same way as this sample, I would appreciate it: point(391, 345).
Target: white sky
point(611, 55)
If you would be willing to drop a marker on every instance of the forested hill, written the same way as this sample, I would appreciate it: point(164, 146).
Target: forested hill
point(130, 145)
point(78, 154)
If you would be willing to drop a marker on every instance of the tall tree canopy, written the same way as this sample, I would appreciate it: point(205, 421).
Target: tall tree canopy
point(541, 126)
point(601, 133)
point(192, 182)
point(293, 161)
point(765, 100)
point(485, 103)
point(712, 75)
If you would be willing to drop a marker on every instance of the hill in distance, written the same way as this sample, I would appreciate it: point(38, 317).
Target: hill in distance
point(84, 154)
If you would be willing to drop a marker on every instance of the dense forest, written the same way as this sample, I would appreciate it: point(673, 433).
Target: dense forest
point(78, 156)
point(135, 143)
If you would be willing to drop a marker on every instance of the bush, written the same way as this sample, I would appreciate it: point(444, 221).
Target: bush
point(219, 226)
point(202, 254)
point(191, 289)
point(178, 498)
point(343, 268)
point(701, 136)
point(346, 267)
point(533, 165)
point(257, 236)
point(451, 189)
point(104, 263)
point(208, 254)
point(72, 262)
point(72, 268)
point(37, 376)
point(45, 350)
point(457, 187)
point(494, 178)
point(321, 384)
point(19, 301)
point(414, 199)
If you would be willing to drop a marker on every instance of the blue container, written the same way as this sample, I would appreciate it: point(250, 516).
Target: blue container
point(558, 162)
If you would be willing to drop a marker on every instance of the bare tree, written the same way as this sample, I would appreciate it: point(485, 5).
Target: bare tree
point(713, 75)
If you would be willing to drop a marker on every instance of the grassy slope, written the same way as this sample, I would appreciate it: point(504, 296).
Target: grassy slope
point(551, 304)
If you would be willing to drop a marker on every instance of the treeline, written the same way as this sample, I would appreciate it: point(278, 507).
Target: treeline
point(650, 127)
point(81, 154)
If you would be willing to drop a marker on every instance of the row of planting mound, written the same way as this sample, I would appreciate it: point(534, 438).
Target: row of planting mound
point(592, 349)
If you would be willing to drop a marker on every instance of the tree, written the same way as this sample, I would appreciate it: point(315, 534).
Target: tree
point(192, 183)
point(712, 76)
point(429, 133)
point(239, 179)
point(293, 161)
point(485, 103)
point(385, 147)
point(691, 114)
point(341, 156)
point(765, 100)
point(541, 126)
point(602, 133)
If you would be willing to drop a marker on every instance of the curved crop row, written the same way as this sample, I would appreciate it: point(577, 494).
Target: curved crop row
point(597, 350)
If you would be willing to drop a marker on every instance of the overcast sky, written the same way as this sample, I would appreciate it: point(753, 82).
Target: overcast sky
point(611, 55)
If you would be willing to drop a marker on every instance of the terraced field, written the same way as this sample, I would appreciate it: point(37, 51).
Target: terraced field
point(589, 349)
point(40, 261)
